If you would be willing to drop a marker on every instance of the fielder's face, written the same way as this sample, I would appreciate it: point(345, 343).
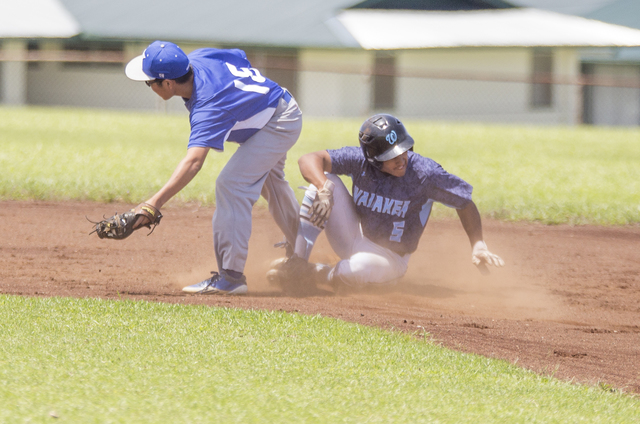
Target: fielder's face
point(396, 166)
point(163, 89)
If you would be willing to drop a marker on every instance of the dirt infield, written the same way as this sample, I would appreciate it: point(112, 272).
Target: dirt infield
point(567, 303)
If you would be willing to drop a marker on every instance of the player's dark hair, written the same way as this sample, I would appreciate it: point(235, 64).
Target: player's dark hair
point(186, 77)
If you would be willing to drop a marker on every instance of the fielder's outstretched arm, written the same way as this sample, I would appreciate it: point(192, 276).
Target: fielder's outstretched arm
point(183, 174)
point(472, 224)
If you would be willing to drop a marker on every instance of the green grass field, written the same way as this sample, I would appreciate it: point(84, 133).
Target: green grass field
point(140, 362)
point(546, 174)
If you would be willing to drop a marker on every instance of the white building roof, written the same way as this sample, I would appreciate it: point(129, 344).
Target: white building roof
point(401, 29)
point(36, 18)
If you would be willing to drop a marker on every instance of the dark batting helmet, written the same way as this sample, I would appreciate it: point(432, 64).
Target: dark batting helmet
point(383, 137)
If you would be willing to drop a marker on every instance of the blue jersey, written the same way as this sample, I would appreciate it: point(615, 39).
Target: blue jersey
point(394, 211)
point(231, 101)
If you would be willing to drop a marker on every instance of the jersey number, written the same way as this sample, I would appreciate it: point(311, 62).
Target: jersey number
point(252, 73)
point(398, 230)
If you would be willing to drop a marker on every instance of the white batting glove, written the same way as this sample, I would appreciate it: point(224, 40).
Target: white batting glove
point(322, 204)
point(482, 255)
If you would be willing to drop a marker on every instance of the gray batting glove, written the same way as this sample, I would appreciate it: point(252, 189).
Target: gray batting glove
point(322, 204)
point(482, 255)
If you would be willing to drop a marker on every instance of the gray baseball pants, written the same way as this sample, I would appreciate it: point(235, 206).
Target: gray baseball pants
point(256, 168)
point(363, 262)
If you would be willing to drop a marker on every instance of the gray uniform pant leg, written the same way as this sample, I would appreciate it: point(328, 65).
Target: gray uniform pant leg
point(256, 168)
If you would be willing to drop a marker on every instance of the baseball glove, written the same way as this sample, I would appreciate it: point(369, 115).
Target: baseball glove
point(121, 226)
point(294, 275)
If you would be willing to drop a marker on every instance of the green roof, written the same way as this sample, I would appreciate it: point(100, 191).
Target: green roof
point(283, 23)
point(441, 5)
point(621, 12)
point(292, 23)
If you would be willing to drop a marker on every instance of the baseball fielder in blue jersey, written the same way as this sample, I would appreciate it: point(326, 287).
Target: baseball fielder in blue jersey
point(375, 229)
point(228, 101)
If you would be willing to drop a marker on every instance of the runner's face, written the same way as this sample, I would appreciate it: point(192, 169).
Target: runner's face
point(396, 166)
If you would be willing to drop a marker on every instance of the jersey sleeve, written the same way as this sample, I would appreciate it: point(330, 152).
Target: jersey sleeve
point(446, 188)
point(209, 128)
point(346, 161)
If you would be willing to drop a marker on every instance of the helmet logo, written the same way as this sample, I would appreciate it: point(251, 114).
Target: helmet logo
point(392, 137)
